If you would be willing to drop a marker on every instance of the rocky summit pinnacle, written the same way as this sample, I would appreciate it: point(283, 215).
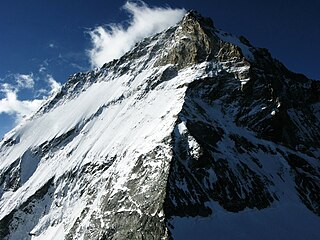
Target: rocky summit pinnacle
point(192, 134)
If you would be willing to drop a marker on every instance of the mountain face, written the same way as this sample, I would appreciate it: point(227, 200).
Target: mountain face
point(193, 134)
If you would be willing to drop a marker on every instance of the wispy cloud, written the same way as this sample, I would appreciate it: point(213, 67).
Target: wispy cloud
point(76, 60)
point(54, 85)
point(20, 109)
point(24, 80)
point(43, 66)
point(11, 105)
point(113, 41)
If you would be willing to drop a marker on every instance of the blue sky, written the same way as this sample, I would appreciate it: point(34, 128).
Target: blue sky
point(47, 41)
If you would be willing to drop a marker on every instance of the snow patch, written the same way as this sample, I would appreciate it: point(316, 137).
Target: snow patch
point(227, 37)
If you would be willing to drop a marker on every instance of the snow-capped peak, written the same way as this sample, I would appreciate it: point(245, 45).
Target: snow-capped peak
point(177, 132)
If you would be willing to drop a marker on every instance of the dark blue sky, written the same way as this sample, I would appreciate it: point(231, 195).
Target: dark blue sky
point(49, 33)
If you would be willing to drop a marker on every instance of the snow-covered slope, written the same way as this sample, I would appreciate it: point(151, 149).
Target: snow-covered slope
point(192, 134)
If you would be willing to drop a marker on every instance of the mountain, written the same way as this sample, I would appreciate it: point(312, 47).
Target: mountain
point(193, 134)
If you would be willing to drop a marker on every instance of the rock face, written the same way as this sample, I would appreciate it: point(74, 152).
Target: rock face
point(191, 127)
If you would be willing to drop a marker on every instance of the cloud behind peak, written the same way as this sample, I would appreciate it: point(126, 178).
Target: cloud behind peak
point(113, 41)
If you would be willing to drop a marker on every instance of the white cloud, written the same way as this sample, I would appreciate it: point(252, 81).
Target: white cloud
point(52, 45)
point(54, 85)
point(24, 80)
point(21, 109)
point(42, 69)
point(112, 43)
point(6, 87)
point(13, 106)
